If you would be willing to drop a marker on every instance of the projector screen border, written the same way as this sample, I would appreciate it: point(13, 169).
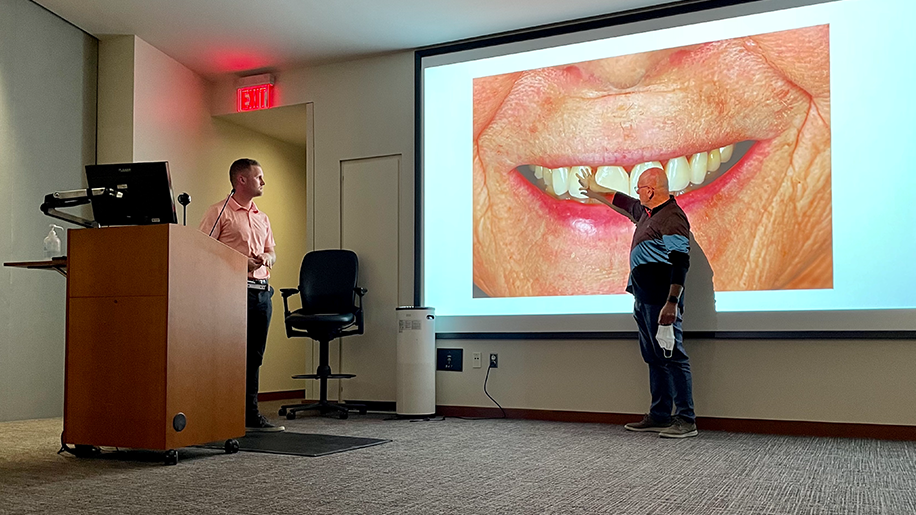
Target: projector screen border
point(569, 27)
point(689, 335)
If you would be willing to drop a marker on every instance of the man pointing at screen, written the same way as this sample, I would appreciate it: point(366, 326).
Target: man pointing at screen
point(658, 267)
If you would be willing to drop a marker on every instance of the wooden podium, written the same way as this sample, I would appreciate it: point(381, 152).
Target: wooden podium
point(156, 329)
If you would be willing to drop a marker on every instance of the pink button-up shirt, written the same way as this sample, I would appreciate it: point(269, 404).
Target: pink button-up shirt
point(245, 230)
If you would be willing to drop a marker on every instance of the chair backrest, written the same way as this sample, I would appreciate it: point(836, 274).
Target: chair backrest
point(327, 281)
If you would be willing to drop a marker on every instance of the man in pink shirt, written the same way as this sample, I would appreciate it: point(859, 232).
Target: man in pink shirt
point(239, 223)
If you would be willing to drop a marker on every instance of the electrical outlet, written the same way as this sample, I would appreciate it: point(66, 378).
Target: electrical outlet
point(494, 360)
point(476, 360)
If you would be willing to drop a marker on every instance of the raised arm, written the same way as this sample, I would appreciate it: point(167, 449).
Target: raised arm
point(602, 197)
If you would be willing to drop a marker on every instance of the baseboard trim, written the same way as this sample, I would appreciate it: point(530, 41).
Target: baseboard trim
point(734, 425)
point(535, 414)
point(804, 428)
point(281, 395)
point(299, 395)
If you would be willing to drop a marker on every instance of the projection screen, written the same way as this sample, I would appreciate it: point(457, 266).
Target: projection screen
point(783, 127)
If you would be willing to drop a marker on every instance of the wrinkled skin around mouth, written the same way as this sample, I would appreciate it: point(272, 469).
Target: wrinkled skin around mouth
point(763, 225)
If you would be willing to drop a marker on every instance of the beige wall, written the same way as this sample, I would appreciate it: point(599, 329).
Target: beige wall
point(283, 201)
point(116, 105)
point(151, 108)
point(812, 380)
point(365, 108)
point(361, 109)
point(169, 113)
point(47, 135)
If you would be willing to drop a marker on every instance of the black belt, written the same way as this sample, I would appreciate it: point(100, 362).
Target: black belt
point(257, 284)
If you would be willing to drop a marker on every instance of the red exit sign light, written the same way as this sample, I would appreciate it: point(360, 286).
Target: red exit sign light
point(253, 98)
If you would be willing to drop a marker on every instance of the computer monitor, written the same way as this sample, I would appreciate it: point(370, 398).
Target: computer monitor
point(146, 194)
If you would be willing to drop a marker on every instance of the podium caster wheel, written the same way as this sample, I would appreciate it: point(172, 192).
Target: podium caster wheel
point(232, 446)
point(291, 415)
point(282, 412)
point(85, 451)
point(171, 457)
point(344, 415)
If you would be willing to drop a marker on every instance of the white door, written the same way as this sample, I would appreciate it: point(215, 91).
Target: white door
point(369, 193)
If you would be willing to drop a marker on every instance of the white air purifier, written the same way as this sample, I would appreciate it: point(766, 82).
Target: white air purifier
point(416, 357)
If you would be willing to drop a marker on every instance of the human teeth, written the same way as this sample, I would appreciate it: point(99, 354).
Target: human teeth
point(575, 187)
point(559, 179)
point(678, 172)
point(609, 178)
point(715, 159)
point(697, 164)
point(638, 170)
point(594, 185)
point(548, 180)
point(576, 181)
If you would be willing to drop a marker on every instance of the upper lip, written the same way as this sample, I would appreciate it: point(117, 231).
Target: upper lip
point(597, 137)
point(569, 125)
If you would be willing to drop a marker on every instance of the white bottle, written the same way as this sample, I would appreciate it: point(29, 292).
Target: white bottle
point(52, 242)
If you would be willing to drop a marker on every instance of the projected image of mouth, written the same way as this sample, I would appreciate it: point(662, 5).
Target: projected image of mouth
point(740, 126)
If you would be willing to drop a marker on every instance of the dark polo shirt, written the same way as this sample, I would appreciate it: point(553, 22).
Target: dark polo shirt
point(659, 252)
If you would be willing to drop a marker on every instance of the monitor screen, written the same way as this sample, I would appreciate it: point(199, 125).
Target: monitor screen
point(146, 193)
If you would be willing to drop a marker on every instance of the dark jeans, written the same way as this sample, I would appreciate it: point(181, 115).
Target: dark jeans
point(259, 310)
point(669, 378)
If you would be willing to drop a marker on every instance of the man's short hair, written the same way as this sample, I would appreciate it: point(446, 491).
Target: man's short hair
point(240, 166)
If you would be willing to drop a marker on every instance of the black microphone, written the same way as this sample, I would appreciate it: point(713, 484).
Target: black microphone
point(184, 199)
point(221, 212)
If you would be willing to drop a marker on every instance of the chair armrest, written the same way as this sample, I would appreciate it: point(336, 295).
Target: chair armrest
point(359, 313)
point(287, 293)
point(358, 323)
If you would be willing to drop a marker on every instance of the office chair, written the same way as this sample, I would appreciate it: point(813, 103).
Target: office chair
point(331, 308)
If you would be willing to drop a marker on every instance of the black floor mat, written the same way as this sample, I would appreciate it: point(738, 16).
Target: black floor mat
point(299, 444)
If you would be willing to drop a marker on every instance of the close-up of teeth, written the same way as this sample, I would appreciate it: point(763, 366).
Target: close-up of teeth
point(685, 173)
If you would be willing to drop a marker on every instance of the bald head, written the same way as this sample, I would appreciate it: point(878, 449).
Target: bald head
point(653, 187)
point(656, 178)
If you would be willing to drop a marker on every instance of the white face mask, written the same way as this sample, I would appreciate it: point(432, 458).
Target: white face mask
point(665, 338)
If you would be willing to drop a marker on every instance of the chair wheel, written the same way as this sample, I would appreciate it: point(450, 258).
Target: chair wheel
point(232, 446)
point(171, 457)
point(344, 415)
point(291, 415)
point(363, 411)
point(282, 412)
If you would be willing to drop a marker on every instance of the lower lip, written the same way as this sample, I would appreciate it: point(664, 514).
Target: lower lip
point(599, 218)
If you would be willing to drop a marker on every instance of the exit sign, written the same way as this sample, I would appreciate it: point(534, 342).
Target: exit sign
point(252, 98)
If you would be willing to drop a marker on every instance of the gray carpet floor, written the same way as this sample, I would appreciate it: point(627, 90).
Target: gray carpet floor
point(471, 467)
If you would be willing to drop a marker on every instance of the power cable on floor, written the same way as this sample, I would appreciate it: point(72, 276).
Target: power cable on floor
point(485, 380)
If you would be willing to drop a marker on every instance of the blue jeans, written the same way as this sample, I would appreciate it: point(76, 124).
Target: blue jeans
point(669, 378)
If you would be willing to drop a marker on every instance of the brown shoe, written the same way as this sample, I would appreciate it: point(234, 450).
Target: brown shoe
point(261, 425)
point(680, 428)
point(647, 424)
